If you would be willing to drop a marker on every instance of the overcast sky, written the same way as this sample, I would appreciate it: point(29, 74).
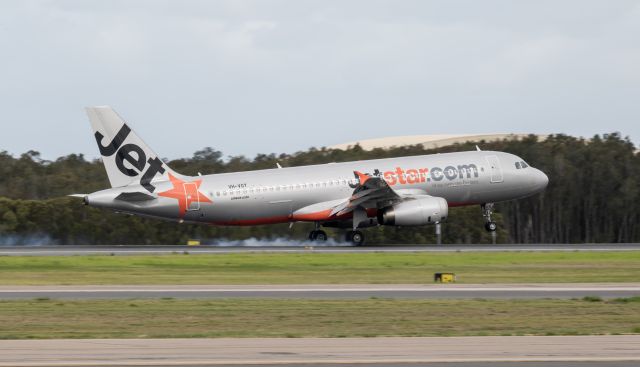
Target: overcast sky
point(262, 76)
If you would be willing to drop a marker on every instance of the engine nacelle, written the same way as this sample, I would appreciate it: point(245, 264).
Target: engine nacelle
point(414, 212)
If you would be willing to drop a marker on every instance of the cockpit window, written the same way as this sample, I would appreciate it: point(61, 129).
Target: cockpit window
point(517, 165)
point(524, 165)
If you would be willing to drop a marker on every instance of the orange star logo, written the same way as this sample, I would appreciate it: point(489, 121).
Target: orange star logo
point(186, 193)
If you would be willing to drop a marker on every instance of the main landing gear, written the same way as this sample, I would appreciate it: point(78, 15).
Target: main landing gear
point(318, 235)
point(355, 237)
point(487, 210)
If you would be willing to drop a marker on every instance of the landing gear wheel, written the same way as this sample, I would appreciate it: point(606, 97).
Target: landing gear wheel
point(318, 236)
point(490, 226)
point(355, 237)
point(487, 210)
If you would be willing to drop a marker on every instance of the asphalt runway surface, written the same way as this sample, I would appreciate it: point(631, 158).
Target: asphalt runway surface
point(275, 247)
point(332, 291)
point(609, 350)
point(430, 364)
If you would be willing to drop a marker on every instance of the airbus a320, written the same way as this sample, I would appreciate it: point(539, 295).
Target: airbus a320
point(405, 191)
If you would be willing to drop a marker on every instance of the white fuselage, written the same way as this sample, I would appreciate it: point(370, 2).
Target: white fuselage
point(296, 194)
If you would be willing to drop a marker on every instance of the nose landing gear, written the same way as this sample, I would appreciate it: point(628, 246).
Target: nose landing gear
point(487, 210)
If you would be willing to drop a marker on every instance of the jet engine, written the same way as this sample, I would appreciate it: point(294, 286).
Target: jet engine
point(414, 212)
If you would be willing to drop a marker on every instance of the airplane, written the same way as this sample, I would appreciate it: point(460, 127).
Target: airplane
point(404, 191)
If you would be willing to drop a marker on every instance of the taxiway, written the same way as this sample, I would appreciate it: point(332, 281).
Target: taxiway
point(466, 351)
point(275, 247)
point(327, 291)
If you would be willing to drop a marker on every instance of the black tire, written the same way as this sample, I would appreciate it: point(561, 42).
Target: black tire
point(347, 236)
point(355, 237)
point(318, 236)
point(321, 236)
point(491, 226)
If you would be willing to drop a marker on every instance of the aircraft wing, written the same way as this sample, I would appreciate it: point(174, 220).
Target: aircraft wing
point(369, 191)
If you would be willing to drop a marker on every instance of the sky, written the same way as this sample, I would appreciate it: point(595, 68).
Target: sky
point(267, 76)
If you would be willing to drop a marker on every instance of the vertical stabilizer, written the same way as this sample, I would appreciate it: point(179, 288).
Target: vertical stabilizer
point(127, 159)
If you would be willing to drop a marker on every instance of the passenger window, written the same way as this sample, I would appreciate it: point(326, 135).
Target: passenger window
point(517, 165)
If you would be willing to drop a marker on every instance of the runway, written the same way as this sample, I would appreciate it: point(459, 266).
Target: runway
point(446, 364)
point(332, 291)
point(465, 351)
point(276, 247)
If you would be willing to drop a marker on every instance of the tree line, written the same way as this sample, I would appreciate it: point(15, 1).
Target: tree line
point(592, 197)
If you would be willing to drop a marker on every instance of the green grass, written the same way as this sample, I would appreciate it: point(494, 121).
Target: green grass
point(316, 268)
point(312, 318)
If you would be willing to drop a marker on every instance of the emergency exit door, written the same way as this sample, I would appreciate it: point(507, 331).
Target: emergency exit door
point(192, 195)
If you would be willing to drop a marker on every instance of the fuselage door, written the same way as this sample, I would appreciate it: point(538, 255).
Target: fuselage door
point(494, 168)
point(192, 195)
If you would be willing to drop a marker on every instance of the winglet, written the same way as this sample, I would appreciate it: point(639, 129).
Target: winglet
point(363, 177)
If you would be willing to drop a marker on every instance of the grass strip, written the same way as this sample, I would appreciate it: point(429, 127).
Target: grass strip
point(172, 318)
point(322, 268)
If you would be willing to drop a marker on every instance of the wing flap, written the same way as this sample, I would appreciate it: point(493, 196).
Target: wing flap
point(371, 189)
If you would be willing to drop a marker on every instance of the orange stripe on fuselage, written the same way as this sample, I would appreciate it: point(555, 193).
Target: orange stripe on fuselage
point(312, 217)
point(321, 216)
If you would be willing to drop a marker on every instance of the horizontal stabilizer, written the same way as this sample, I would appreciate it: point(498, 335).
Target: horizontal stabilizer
point(134, 196)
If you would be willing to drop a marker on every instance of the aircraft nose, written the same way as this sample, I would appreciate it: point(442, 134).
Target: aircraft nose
point(540, 180)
